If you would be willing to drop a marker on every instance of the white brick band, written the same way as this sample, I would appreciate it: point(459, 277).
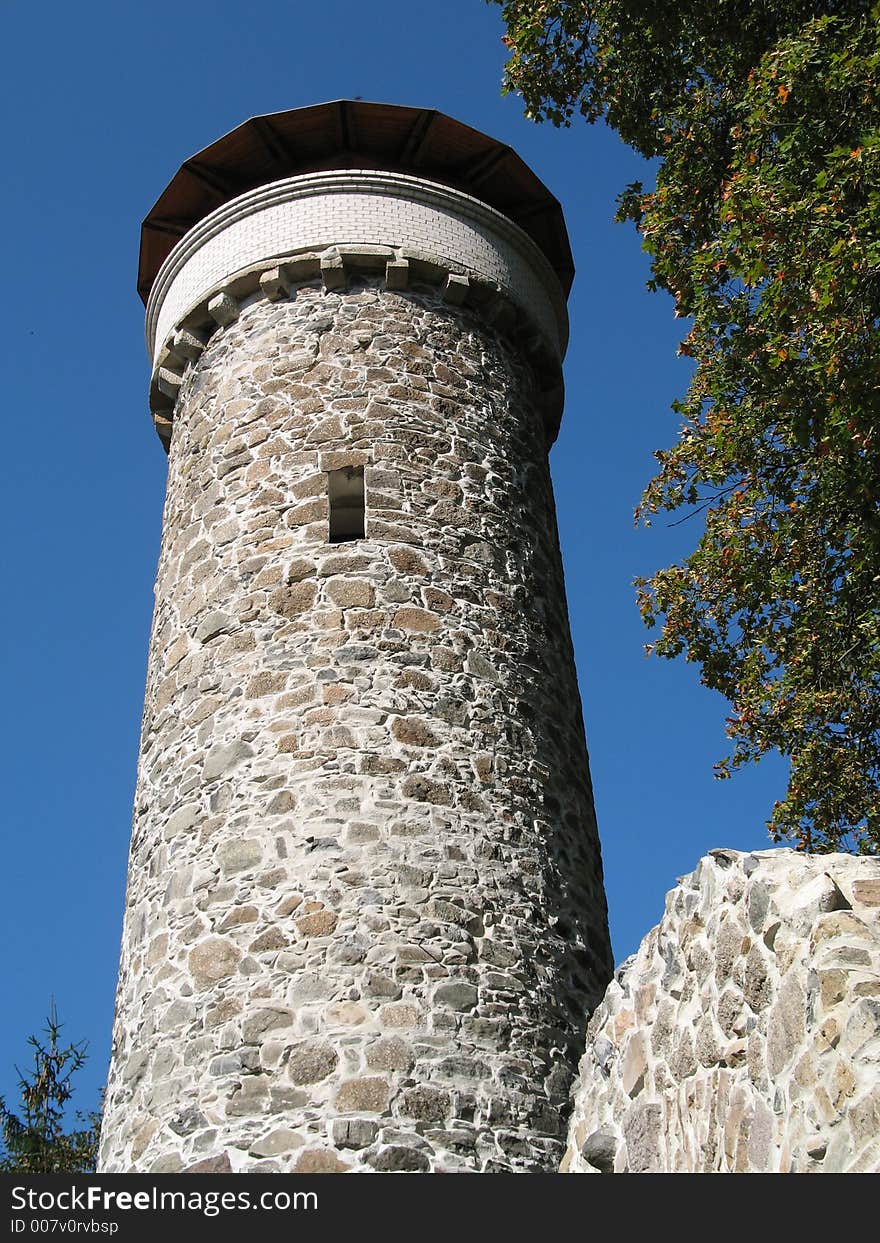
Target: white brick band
point(350, 208)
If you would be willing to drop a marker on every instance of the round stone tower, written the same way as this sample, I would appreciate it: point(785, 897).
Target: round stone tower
point(365, 910)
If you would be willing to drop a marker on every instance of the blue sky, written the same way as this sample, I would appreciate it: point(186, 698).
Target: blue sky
point(102, 103)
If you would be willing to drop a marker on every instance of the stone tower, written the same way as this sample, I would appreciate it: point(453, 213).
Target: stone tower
point(365, 911)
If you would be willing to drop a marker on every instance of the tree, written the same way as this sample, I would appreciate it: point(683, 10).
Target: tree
point(765, 121)
point(35, 1142)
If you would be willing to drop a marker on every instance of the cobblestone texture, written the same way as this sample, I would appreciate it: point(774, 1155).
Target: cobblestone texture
point(365, 912)
point(744, 1036)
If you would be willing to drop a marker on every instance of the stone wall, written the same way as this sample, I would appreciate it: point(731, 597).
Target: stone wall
point(365, 910)
point(745, 1033)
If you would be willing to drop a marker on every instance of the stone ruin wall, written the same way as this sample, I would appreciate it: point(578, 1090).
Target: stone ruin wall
point(365, 911)
point(744, 1035)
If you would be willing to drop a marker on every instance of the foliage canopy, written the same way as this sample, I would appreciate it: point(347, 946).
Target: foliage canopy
point(763, 226)
point(35, 1142)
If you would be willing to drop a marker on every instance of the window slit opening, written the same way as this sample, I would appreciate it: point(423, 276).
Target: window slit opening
point(345, 491)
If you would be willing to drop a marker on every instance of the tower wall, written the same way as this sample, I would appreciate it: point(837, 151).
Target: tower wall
point(365, 911)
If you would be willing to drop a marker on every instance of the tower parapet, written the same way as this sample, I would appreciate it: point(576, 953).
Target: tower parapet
point(365, 908)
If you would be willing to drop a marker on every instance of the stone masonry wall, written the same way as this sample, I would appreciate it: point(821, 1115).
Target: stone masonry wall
point(365, 911)
point(745, 1033)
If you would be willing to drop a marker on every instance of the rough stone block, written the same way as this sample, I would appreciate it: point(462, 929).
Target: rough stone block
point(354, 1132)
point(275, 284)
point(216, 622)
point(189, 343)
point(320, 1161)
point(219, 1164)
point(283, 1139)
point(333, 272)
point(390, 1053)
point(311, 1062)
point(164, 426)
point(501, 313)
point(212, 960)
point(369, 1094)
point(867, 891)
point(223, 309)
point(456, 289)
point(397, 273)
point(168, 382)
point(401, 1159)
point(642, 1128)
point(416, 619)
point(240, 856)
point(224, 756)
point(456, 995)
point(599, 1150)
point(350, 592)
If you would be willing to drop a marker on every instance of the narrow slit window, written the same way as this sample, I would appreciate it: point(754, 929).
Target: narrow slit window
point(345, 489)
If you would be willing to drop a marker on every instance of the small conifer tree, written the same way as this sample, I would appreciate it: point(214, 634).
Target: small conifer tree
point(35, 1141)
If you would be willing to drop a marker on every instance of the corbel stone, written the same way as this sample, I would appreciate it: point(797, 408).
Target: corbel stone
point(540, 353)
point(168, 357)
point(455, 289)
point(159, 399)
point(160, 404)
point(189, 343)
point(333, 271)
point(397, 273)
point(275, 284)
point(223, 309)
point(500, 313)
point(168, 382)
point(550, 398)
point(163, 426)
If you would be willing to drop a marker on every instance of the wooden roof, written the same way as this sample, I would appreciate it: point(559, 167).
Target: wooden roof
point(354, 134)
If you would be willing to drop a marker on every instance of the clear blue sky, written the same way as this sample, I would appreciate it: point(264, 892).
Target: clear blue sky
point(102, 103)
